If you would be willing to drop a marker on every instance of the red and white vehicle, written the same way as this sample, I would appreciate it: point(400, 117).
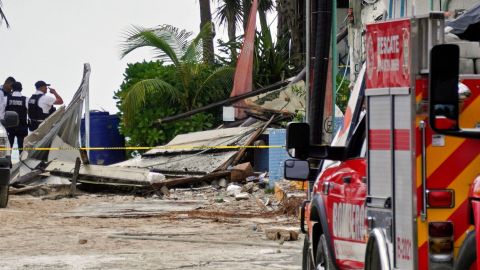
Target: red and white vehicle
point(402, 189)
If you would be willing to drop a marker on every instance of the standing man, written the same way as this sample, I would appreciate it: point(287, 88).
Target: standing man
point(18, 103)
point(6, 88)
point(40, 104)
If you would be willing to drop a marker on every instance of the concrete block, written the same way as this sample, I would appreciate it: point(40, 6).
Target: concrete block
point(467, 66)
point(241, 171)
point(470, 50)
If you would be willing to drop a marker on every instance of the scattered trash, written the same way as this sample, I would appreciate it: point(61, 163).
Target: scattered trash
point(223, 182)
point(233, 190)
point(248, 187)
point(242, 196)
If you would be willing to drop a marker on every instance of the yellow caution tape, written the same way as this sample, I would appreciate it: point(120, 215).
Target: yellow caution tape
point(172, 147)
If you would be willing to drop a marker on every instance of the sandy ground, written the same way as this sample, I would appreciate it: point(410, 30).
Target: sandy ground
point(187, 230)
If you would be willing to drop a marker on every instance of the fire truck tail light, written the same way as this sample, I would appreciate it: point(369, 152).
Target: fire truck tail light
point(440, 242)
point(440, 229)
point(441, 198)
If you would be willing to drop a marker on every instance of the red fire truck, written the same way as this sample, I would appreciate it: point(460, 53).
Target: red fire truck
point(403, 191)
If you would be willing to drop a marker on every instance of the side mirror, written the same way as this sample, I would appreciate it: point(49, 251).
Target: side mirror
point(298, 139)
point(10, 120)
point(443, 82)
point(444, 107)
point(296, 170)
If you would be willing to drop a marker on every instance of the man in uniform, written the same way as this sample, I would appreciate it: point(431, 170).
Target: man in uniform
point(18, 103)
point(5, 90)
point(40, 104)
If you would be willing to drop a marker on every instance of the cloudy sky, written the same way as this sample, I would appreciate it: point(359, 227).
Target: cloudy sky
point(51, 39)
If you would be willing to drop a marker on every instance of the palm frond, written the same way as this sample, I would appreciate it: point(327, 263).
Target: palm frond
point(220, 81)
point(229, 12)
point(135, 97)
point(178, 39)
point(194, 50)
point(3, 18)
point(169, 42)
point(266, 5)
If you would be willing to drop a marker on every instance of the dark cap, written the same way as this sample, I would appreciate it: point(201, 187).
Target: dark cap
point(40, 84)
point(10, 80)
point(17, 86)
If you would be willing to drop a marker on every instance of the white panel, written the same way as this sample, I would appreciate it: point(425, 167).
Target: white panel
point(402, 115)
point(380, 173)
point(345, 250)
point(379, 112)
point(404, 209)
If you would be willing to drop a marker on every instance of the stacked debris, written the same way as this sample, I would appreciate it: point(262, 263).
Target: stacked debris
point(189, 160)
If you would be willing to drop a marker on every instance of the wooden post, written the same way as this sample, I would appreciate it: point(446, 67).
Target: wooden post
point(84, 156)
point(73, 186)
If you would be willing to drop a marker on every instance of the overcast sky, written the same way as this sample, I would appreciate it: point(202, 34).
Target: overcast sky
point(51, 39)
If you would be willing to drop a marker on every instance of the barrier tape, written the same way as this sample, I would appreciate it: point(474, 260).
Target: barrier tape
point(173, 147)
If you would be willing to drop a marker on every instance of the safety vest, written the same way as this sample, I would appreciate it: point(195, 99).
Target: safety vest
point(36, 113)
point(18, 105)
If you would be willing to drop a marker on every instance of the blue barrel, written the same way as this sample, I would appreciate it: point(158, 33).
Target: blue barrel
point(104, 132)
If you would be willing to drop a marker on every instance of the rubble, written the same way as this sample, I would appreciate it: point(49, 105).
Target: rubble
point(281, 233)
point(242, 196)
point(233, 190)
point(241, 172)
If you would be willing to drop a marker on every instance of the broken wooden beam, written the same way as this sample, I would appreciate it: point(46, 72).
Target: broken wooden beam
point(190, 180)
point(229, 101)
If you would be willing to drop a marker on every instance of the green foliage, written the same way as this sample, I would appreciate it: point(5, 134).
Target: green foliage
point(143, 132)
point(270, 62)
point(343, 92)
point(191, 88)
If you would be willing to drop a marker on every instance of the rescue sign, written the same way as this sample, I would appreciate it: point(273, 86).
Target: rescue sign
point(388, 54)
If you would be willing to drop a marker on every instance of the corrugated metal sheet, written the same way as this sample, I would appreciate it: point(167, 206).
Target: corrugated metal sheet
point(185, 161)
point(209, 138)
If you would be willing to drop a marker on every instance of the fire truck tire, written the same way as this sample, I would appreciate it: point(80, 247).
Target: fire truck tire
point(3, 196)
point(373, 261)
point(467, 255)
point(323, 258)
point(307, 260)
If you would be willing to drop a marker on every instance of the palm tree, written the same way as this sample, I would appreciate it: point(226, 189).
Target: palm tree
point(3, 18)
point(173, 46)
point(206, 18)
point(264, 7)
point(230, 13)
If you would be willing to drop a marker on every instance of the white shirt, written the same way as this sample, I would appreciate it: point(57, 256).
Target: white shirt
point(3, 103)
point(46, 101)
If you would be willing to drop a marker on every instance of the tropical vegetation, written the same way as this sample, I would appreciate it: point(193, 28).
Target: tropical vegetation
point(185, 72)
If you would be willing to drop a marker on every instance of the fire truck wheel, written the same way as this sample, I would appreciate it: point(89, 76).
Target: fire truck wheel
point(307, 261)
point(3, 196)
point(323, 258)
point(467, 255)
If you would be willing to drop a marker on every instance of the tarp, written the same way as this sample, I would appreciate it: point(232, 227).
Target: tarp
point(471, 18)
point(242, 82)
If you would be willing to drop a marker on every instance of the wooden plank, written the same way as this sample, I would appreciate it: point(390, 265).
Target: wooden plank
point(252, 139)
point(102, 174)
point(73, 186)
point(190, 180)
